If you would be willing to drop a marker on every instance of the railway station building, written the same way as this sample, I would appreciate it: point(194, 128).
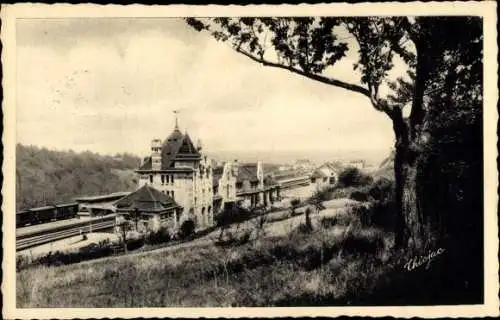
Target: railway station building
point(181, 171)
point(245, 185)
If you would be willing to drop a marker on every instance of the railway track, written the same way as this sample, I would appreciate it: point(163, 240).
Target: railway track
point(47, 236)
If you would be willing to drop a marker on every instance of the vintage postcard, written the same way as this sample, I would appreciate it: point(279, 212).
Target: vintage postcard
point(264, 160)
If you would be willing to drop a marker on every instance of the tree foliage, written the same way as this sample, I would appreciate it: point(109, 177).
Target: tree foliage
point(353, 177)
point(45, 177)
point(431, 66)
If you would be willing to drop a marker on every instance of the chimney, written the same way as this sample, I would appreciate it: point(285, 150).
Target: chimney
point(260, 172)
point(198, 145)
point(235, 168)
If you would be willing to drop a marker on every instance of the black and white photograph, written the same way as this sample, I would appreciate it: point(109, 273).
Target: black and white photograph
point(231, 157)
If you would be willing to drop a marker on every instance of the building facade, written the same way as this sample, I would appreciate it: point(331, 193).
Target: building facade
point(245, 185)
point(326, 175)
point(180, 170)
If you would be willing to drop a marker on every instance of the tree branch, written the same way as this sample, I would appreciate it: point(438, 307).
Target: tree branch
point(320, 78)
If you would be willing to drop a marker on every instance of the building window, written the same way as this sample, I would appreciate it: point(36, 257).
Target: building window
point(172, 178)
point(151, 178)
point(162, 179)
point(173, 196)
point(167, 176)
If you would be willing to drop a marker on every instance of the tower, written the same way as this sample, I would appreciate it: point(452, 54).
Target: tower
point(156, 154)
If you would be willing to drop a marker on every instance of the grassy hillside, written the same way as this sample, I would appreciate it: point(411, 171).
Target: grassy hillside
point(346, 258)
point(332, 265)
point(45, 176)
point(386, 167)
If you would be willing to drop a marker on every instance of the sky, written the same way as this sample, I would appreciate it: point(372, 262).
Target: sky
point(110, 86)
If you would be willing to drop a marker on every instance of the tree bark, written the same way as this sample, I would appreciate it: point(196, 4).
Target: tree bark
point(409, 222)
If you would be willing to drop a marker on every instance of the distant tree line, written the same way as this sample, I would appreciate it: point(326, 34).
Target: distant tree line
point(45, 177)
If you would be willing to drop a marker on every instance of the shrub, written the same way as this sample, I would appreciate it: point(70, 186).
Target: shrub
point(160, 236)
point(133, 244)
point(341, 219)
point(235, 214)
point(359, 196)
point(187, 228)
point(340, 193)
point(382, 189)
point(353, 177)
point(376, 213)
point(318, 197)
point(295, 202)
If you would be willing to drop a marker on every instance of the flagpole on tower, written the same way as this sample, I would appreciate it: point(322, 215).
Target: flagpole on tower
point(176, 122)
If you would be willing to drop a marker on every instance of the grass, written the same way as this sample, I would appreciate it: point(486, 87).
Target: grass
point(270, 271)
point(342, 261)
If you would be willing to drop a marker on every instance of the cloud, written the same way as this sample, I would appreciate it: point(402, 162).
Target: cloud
point(114, 86)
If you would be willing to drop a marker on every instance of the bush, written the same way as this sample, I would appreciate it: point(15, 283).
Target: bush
point(342, 219)
point(295, 202)
point(318, 197)
point(382, 189)
point(233, 215)
point(359, 196)
point(353, 177)
point(187, 228)
point(377, 213)
point(340, 193)
point(133, 244)
point(160, 236)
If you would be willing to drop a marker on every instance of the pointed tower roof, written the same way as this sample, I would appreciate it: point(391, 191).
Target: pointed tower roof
point(176, 146)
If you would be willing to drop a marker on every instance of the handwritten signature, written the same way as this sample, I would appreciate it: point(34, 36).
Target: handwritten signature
point(426, 260)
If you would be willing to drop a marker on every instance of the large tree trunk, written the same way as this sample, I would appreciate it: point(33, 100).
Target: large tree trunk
point(410, 225)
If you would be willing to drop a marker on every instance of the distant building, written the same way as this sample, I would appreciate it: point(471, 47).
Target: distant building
point(179, 169)
point(303, 164)
point(360, 164)
point(326, 175)
point(224, 187)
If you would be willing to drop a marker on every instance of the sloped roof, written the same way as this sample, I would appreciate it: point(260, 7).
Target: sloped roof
point(177, 145)
point(247, 171)
point(146, 198)
point(216, 175)
point(319, 174)
point(269, 180)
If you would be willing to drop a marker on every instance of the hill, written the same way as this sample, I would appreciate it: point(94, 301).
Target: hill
point(45, 176)
point(386, 167)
